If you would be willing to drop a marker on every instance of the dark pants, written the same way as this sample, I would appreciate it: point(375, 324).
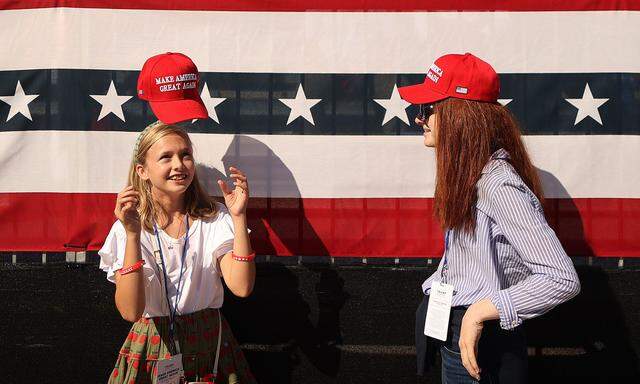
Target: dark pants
point(502, 355)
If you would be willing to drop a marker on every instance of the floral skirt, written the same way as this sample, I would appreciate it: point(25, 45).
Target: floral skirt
point(197, 334)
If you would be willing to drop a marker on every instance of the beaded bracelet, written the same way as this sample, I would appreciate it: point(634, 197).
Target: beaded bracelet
point(131, 268)
point(247, 258)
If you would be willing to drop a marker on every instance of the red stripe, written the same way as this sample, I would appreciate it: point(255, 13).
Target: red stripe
point(339, 227)
point(335, 5)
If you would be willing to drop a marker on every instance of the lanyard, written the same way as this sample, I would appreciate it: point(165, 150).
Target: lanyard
point(172, 312)
point(445, 266)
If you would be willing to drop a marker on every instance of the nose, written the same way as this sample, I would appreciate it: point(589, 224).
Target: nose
point(176, 162)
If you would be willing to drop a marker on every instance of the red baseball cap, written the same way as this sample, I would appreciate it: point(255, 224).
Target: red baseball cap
point(454, 75)
point(169, 82)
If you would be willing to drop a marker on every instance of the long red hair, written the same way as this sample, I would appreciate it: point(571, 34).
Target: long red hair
point(469, 132)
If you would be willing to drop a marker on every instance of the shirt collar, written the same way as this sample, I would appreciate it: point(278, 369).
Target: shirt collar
point(500, 154)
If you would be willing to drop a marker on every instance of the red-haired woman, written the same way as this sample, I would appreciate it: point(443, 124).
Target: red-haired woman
point(502, 262)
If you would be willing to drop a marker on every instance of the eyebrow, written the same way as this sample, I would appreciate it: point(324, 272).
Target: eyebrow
point(182, 151)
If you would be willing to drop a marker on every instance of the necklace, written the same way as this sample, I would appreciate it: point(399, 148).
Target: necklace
point(170, 246)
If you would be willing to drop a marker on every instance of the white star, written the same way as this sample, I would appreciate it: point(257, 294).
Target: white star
point(19, 102)
point(210, 103)
point(394, 107)
point(111, 102)
point(300, 106)
point(587, 106)
point(504, 102)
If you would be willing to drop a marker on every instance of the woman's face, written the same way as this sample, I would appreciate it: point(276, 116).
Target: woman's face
point(169, 165)
point(430, 127)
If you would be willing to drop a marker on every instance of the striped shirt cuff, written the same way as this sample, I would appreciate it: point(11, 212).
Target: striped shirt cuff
point(508, 317)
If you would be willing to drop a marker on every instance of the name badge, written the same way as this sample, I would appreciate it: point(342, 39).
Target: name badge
point(170, 371)
point(437, 322)
point(156, 255)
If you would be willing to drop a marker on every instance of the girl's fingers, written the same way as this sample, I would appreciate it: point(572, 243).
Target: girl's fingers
point(223, 187)
point(241, 185)
point(133, 204)
point(128, 193)
point(236, 170)
point(240, 179)
point(128, 200)
point(127, 189)
point(124, 199)
point(238, 176)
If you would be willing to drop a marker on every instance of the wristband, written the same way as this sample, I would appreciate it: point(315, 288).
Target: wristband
point(131, 268)
point(248, 258)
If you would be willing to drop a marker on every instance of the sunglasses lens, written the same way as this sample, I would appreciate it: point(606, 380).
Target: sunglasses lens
point(424, 111)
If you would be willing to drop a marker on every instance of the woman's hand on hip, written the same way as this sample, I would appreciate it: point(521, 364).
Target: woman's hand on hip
point(470, 333)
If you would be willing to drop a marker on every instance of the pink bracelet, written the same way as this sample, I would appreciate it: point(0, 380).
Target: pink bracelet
point(247, 258)
point(131, 268)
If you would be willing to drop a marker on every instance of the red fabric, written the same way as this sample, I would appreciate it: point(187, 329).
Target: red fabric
point(382, 227)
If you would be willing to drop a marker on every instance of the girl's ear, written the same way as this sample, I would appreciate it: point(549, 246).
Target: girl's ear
point(142, 172)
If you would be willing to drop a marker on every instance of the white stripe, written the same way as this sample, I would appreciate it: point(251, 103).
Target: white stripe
point(321, 42)
point(309, 166)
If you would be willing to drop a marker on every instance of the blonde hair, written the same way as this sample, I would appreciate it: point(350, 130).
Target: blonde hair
point(198, 204)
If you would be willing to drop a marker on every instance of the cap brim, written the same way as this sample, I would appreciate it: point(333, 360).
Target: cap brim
point(420, 94)
point(175, 111)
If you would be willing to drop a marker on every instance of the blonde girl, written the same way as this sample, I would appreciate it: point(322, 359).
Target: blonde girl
point(167, 253)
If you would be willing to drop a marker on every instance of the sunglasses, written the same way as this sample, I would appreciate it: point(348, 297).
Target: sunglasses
point(424, 111)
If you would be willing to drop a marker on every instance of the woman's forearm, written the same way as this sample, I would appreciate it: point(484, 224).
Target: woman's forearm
point(130, 299)
point(240, 275)
point(483, 310)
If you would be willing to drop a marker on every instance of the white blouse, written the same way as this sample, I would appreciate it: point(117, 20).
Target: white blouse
point(201, 285)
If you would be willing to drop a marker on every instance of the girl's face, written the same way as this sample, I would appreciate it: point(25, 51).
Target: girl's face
point(430, 127)
point(169, 166)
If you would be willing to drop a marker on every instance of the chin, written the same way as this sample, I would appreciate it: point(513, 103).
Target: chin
point(182, 188)
point(176, 189)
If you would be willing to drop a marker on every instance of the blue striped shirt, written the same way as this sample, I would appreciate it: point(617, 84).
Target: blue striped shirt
point(513, 258)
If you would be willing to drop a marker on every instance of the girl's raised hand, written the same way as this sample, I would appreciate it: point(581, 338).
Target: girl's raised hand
point(126, 210)
point(238, 198)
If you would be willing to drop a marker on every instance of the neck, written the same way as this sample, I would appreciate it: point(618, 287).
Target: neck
point(172, 206)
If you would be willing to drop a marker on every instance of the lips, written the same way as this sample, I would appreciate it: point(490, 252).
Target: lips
point(178, 177)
